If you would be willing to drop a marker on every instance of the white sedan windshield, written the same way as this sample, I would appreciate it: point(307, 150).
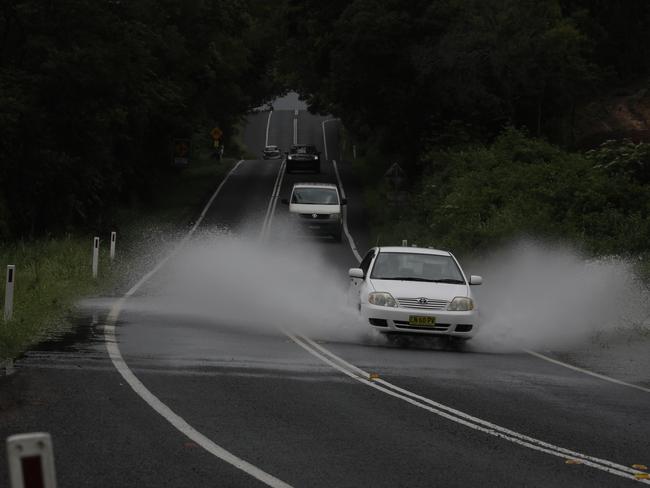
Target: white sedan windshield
point(416, 267)
point(315, 196)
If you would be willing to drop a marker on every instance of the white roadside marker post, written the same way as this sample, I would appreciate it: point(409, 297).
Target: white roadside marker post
point(31, 461)
point(9, 291)
point(354, 152)
point(404, 243)
point(95, 256)
point(113, 238)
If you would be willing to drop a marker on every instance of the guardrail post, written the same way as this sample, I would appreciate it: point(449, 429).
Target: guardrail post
point(9, 291)
point(31, 461)
point(95, 256)
point(113, 238)
point(404, 243)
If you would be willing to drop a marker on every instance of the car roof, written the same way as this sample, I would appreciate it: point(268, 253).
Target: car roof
point(270, 147)
point(315, 185)
point(303, 145)
point(413, 250)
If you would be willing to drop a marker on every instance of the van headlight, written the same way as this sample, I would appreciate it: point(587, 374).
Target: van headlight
point(461, 304)
point(382, 299)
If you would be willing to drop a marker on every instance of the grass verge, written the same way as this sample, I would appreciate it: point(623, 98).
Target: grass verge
point(53, 274)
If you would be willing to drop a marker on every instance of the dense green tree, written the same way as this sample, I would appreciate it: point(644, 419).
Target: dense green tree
point(400, 74)
point(93, 92)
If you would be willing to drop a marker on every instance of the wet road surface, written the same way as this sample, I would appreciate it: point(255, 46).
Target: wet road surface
point(258, 394)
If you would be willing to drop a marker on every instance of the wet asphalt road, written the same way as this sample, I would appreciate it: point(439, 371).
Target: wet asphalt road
point(259, 395)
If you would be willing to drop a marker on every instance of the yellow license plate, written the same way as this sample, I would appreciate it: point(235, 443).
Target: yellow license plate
point(422, 321)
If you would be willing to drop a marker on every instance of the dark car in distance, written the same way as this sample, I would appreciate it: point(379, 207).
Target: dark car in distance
point(303, 157)
point(271, 152)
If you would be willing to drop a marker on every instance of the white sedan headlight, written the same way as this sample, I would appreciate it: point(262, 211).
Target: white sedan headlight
point(461, 304)
point(382, 299)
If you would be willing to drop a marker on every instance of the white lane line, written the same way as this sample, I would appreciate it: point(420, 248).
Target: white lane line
point(268, 125)
point(365, 375)
point(444, 411)
point(324, 136)
point(586, 371)
point(460, 417)
point(113, 348)
point(353, 244)
point(295, 130)
point(531, 352)
point(270, 209)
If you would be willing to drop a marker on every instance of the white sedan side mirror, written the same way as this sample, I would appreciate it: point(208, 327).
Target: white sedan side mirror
point(355, 273)
point(475, 280)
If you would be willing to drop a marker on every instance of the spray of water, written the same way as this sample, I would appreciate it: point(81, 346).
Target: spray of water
point(549, 296)
point(250, 286)
point(534, 295)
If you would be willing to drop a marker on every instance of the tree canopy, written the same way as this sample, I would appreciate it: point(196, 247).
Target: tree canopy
point(93, 92)
point(402, 72)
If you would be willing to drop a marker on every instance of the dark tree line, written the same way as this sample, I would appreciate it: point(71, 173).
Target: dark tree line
point(93, 91)
point(404, 74)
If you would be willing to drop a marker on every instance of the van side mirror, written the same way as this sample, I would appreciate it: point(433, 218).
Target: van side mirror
point(475, 280)
point(344, 201)
point(355, 273)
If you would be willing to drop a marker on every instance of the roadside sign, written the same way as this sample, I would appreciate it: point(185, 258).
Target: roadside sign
point(216, 133)
point(395, 175)
point(182, 151)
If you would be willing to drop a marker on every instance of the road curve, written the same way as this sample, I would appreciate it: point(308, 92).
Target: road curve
point(232, 374)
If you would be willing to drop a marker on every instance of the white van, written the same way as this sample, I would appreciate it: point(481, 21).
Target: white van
point(317, 208)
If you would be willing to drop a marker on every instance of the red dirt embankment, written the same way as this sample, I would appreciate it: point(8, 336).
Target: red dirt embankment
point(624, 115)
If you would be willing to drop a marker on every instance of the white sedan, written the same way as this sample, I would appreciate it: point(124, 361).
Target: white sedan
point(415, 290)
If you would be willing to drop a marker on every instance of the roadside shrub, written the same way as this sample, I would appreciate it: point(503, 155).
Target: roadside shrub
point(477, 197)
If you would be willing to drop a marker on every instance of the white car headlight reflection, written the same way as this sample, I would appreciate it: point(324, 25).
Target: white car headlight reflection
point(382, 299)
point(461, 304)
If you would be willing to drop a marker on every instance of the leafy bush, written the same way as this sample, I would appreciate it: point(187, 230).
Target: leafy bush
point(474, 197)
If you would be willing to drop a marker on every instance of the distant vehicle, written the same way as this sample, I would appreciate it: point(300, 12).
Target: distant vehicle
point(304, 157)
point(316, 208)
point(400, 290)
point(271, 152)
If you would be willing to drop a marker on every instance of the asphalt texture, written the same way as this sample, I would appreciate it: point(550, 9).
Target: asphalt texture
point(256, 393)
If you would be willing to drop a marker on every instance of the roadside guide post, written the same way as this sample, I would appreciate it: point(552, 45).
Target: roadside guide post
point(405, 243)
point(216, 134)
point(31, 461)
point(9, 291)
point(95, 256)
point(354, 151)
point(113, 238)
point(395, 178)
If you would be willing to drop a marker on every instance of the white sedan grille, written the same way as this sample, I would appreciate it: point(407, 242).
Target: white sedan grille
point(423, 303)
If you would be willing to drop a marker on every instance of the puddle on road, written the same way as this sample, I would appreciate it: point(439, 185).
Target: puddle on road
point(82, 341)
